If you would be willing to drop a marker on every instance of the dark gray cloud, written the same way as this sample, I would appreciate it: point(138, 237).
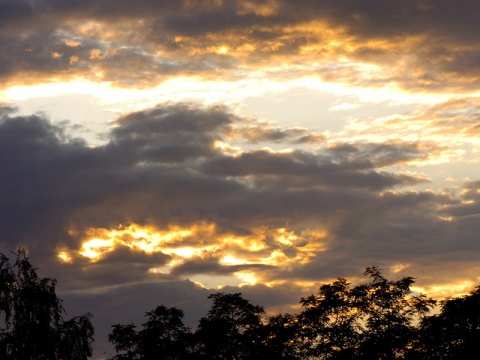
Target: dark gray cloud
point(433, 40)
point(267, 133)
point(470, 207)
point(380, 155)
point(161, 168)
point(169, 134)
point(211, 266)
point(342, 207)
point(345, 166)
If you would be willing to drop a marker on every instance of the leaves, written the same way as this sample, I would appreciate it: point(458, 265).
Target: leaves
point(163, 336)
point(229, 331)
point(34, 327)
point(455, 331)
point(380, 319)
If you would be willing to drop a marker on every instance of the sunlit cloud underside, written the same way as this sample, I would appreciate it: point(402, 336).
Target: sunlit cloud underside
point(279, 248)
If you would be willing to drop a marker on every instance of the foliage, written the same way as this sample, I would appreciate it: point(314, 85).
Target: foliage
point(280, 337)
point(32, 317)
point(454, 333)
point(163, 336)
point(373, 320)
point(229, 331)
point(124, 339)
point(380, 319)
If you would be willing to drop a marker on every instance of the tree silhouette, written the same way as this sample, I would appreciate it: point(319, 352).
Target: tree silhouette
point(163, 336)
point(381, 319)
point(390, 313)
point(229, 331)
point(34, 327)
point(125, 340)
point(369, 321)
point(280, 337)
point(454, 333)
point(329, 326)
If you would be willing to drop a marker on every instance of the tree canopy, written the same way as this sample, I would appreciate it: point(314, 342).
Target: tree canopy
point(32, 326)
point(381, 319)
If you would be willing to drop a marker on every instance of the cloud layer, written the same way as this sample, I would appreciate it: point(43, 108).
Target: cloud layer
point(426, 45)
point(164, 170)
point(183, 193)
point(183, 197)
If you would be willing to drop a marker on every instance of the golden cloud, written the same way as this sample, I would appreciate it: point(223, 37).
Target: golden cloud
point(278, 247)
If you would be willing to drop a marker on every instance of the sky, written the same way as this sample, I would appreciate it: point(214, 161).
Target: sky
point(156, 151)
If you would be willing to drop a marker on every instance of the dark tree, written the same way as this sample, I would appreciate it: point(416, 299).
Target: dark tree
point(125, 340)
point(454, 333)
point(76, 337)
point(230, 329)
point(32, 326)
point(376, 320)
point(381, 319)
point(390, 313)
point(329, 324)
point(280, 338)
point(163, 336)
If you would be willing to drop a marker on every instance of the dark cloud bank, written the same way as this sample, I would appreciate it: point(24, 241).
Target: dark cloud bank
point(428, 44)
point(161, 167)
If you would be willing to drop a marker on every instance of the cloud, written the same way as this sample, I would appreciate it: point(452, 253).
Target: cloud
point(256, 133)
point(143, 43)
point(181, 197)
point(169, 134)
point(298, 169)
point(161, 202)
point(211, 266)
point(343, 106)
point(161, 168)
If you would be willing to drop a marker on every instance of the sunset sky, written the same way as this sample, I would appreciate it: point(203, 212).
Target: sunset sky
point(155, 151)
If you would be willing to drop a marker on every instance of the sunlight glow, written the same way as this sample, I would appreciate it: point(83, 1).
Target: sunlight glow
point(444, 290)
point(140, 238)
point(188, 252)
point(226, 148)
point(250, 244)
point(232, 260)
point(65, 257)
point(95, 248)
point(284, 249)
point(72, 43)
point(396, 268)
point(246, 85)
point(286, 238)
point(247, 277)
